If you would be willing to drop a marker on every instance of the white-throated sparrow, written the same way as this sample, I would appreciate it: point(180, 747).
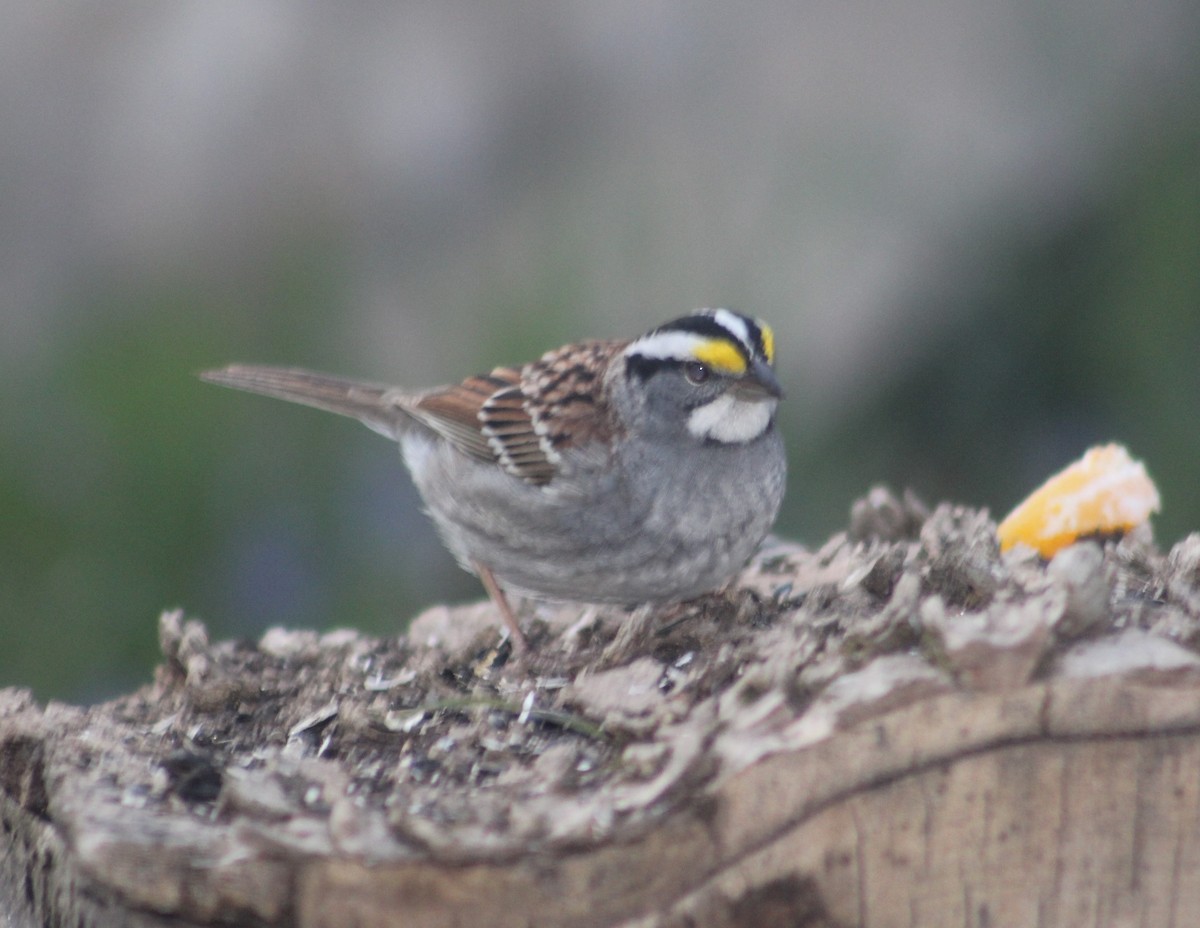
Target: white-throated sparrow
point(604, 472)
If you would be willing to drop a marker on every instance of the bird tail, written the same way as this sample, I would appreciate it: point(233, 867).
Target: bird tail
point(377, 406)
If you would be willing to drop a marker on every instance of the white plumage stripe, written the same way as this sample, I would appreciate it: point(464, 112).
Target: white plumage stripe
point(667, 346)
point(730, 420)
point(735, 325)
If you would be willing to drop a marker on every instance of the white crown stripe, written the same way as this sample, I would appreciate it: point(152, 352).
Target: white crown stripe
point(667, 346)
point(735, 325)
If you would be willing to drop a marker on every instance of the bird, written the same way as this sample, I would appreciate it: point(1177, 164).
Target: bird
point(637, 471)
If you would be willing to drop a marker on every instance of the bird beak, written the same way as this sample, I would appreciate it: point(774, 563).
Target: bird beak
point(758, 383)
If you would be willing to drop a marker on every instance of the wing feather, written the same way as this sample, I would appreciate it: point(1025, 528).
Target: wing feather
point(522, 419)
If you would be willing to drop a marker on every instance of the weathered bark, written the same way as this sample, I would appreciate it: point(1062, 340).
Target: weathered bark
point(891, 731)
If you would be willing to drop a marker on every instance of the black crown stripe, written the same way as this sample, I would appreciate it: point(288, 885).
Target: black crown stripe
point(699, 325)
point(756, 336)
point(707, 326)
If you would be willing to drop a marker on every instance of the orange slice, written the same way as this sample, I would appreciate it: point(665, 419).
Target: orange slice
point(1106, 492)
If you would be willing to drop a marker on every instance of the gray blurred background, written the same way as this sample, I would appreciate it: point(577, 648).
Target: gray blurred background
point(975, 225)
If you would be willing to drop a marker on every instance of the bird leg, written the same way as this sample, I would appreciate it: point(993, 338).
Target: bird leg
point(488, 579)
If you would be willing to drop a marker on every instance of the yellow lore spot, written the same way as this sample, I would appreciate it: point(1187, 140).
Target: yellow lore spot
point(1104, 493)
point(768, 337)
point(721, 356)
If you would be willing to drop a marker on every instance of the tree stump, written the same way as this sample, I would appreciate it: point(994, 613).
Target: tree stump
point(902, 728)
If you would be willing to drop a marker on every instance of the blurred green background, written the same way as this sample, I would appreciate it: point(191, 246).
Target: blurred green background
point(975, 227)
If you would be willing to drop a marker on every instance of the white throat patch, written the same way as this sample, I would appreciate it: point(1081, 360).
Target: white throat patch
point(730, 420)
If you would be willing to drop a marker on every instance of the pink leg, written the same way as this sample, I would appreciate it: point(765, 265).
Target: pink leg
point(488, 579)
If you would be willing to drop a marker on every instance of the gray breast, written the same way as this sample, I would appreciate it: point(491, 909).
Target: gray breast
point(661, 526)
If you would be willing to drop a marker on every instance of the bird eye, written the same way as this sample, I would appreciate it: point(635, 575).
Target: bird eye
point(695, 372)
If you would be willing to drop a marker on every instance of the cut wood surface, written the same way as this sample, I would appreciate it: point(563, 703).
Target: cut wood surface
point(902, 728)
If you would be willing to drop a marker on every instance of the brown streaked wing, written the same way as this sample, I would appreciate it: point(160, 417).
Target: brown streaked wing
point(512, 433)
point(522, 420)
point(454, 412)
point(571, 398)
